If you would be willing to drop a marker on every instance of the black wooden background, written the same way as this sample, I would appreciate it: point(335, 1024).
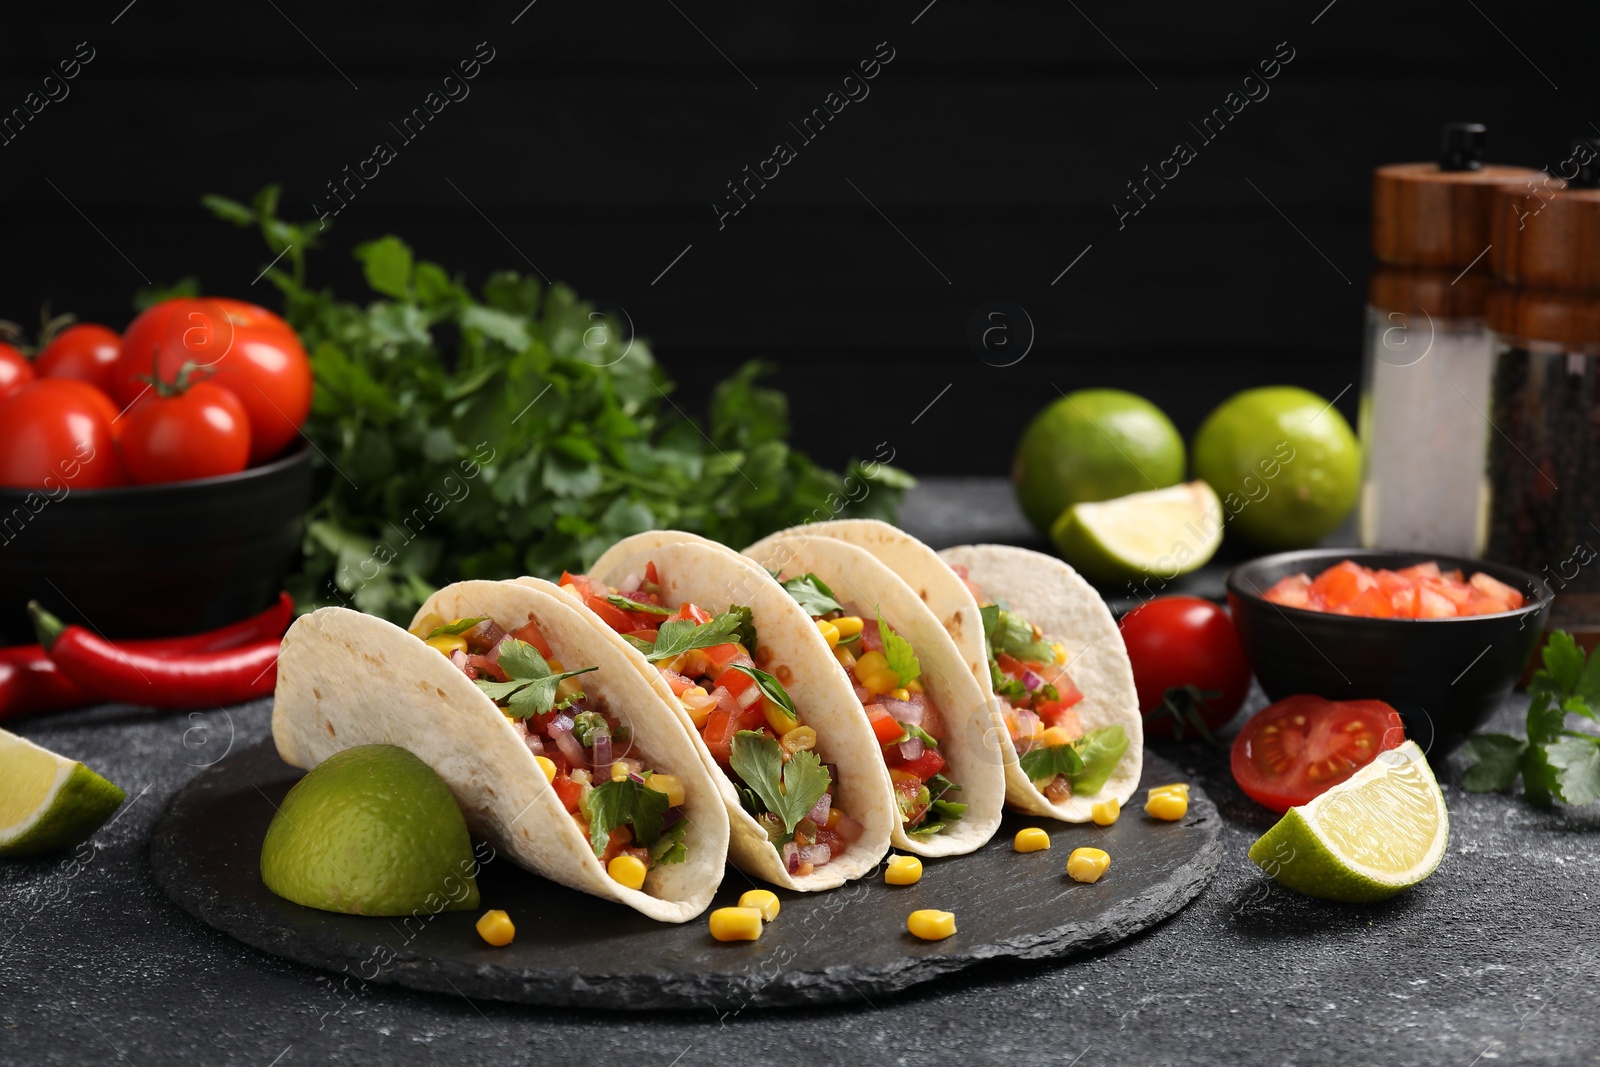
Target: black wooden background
point(984, 160)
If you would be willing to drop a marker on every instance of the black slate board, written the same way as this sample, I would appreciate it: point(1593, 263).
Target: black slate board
point(572, 949)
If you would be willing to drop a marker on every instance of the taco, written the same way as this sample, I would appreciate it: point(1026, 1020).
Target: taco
point(558, 753)
point(932, 721)
point(1041, 639)
point(758, 691)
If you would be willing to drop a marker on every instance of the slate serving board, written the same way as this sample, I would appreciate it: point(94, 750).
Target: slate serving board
point(572, 949)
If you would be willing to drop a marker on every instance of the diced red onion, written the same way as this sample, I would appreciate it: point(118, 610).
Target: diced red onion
point(848, 829)
point(601, 746)
point(791, 857)
point(725, 700)
point(816, 855)
point(911, 748)
point(636, 777)
point(862, 694)
point(903, 710)
point(671, 817)
point(871, 639)
point(1032, 680)
point(819, 813)
point(1028, 723)
point(535, 743)
point(458, 658)
point(560, 731)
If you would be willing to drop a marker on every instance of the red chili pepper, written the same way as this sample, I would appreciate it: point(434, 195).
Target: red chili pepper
point(263, 626)
point(133, 676)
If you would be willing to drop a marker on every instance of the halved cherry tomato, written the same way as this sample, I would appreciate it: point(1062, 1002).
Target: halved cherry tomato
point(201, 432)
point(87, 352)
point(1296, 749)
point(15, 371)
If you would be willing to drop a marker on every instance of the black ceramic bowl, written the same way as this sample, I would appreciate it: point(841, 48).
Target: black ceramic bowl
point(153, 560)
point(1444, 676)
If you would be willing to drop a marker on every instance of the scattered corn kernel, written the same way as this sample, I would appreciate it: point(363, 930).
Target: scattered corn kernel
point(1180, 788)
point(1087, 864)
point(496, 928)
point(1168, 806)
point(763, 900)
point(736, 924)
point(1030, 839)
point(901, 694)
point(871, 663)
point(669, 784)
point(548, 766)
point(1055, 737)
point(848, 626)
point(878, 682)
point(903, 870)
point(800, 739)
point(846, 658)
point(830, 632)
point(448, 643)
point(629, 870)
point(1106, 812)
point(931, 925)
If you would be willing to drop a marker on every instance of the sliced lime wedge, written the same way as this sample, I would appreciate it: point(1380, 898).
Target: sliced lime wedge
point(1164, 533)
point(48, 802)
point(1382, 830)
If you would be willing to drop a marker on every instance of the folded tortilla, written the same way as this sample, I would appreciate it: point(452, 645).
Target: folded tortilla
point(347, 679)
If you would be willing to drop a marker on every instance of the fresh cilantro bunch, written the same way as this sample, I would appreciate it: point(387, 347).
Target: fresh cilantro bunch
point(513, 430)
point(1555, 763)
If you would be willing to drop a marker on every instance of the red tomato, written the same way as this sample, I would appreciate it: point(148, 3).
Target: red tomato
point(1176, 641)
point(694, 613)
point(56, 435)
point(567, 791)
point(618, 620)
point(202, 432)
point(531, 634)
point(247, 349)
point(579, 582)
point(15, 370)
point(884, 726)
point(924, 766)
point(1298, 748)
point(87, 352)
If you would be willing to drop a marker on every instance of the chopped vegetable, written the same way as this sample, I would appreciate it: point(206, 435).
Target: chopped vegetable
point(1422, 591)
point(1087, 864)
point(903, 870)
point(495, 927)
point(736, 924)
point(931, 925)
point(763, 900)
point(1030, 839)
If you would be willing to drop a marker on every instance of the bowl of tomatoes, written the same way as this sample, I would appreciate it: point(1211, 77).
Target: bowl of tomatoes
point(153, 481)
point(1442, 639)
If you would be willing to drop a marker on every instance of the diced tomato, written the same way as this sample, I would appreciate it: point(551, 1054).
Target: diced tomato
point(1010, 665)
point(1497, 589)
point(871, 639)
point(718, 735)
point(1373, 603)
point(720, 656)
point(619, 620)
point(1432, 605)
point(648, 635)
point(835, 843)
point(486, 667)
point(1292, 592)
point(621, 837)
point(1457, 594)
point(567, 791)
point(650, 573)
point(736, 683)
point(1060, 714)
point(1419, 571)
point(883, 724)
point(924, 766)
point(1342, 583)
point(533, 636)
point(1421, 591)
point(693, 612)
point(579, 582)
point(1405, 602)
point(677, 682)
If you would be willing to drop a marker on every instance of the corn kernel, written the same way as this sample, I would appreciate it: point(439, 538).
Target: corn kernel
point(1106, 812)
point(736, 924)
point(1030, 839)
point(931, 925)
point(915, 685)
point(903, 870)
point(1060, 650)
point(901, 694)
point(778, 717)
point(1168, 806)
point(1087, 864)
point(448, 643)
point(848, 626)
point(1055, 737)
point(830, 632)
point(846, 658)
point(696, 695)
point(548, 766)
point(870, 663)
point(1181, 788)
point(834, 815)
point(620, 769)
point(628, 870)
point(496, 928)
point(763, 900)
point(878, 682)
point(669, 784)
point(800, 739)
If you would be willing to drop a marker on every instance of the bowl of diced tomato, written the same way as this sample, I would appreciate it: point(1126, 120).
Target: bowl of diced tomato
point(1440, 638)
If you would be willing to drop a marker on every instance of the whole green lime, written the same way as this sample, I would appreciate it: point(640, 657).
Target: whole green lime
point(1284, 462)
point(371, 830)
point(1090, 445)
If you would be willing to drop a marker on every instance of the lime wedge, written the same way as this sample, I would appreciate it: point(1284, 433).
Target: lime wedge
point(1164, 532)
point(48, 802)
point(1382, 830)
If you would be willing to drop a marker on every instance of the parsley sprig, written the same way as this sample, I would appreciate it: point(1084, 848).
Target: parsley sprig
point(812, 594)
point(531, 689)
point(677, 636)
point(898, 651)
point(788, 789)
point(628, 803)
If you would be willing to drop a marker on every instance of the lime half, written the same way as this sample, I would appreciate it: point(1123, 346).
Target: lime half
point(1164, 533)
point(48, 802)
point(1382, 830)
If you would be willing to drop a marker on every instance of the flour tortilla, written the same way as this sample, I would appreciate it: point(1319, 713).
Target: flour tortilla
point(975, 760)
point(347, 679)
point(715, 577)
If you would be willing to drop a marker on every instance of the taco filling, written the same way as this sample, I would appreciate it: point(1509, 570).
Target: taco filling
point(623, 808)
point(737, 701)
point(1027, 670)
point(886, 674)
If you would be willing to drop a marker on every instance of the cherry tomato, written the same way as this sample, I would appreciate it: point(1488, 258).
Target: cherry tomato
point(248, 350)
point(15, 370)
point(55, 435)
point(1298, 748)
point(1176, 641)
point(202, 432)
point(87, 352)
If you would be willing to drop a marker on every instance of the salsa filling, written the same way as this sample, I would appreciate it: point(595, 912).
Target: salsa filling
point(620, 804)
point(905, 719)
point(1028, 672)
point(738, 704)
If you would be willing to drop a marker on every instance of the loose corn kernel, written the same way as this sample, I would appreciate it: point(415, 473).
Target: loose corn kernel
point(830, 632)
point(1060, 650)
point(1030, 839)
point(548, 766)
point(1167, 806)
point(1106, 812)
point(763, 900)
point(629, 870)
point(901, 694)
point(870, 663)
point(931, 925)
point(1181, 788)
point(903, 870)
point(448, 643)
point(1055, 737)
point(1087, 864)
point(669, 784)
point(848, 626)
point(878, 682)
point(800, 739)
point(846, 658)
point(736, 924)
point(496, 928)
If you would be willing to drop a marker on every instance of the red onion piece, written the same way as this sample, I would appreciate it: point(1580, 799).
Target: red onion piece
point(871, 639)
point(725, 700)
point(848, 829)
point(816, 855)
point(750, 695)
point(862, 694)
point(819, 814)
point(911, 748)
point(671, 817)
point(560, 731)
point(903, 710)
point(535, 743)
point(1031, 680)
point(1028, 724)
point(791, 857)
point(458, 659)
point(601, 747)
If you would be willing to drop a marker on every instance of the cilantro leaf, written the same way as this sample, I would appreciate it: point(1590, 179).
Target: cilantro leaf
point(669, 847)
point(1046, 761)
point(1101, 750)
point(625, 803)
point(623, 603)
point(1497, 762)
point(789, 790)
point(1563, 662)
point(812, 594)
point(451, 629)
point(898, 651)
point(1577, 765)
point(912, 730)
point(677, 636)
point(771, 688)
point(531, 686)
point(1013, 635)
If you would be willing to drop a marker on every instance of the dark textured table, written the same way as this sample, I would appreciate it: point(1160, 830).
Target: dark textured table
point(1493, 959)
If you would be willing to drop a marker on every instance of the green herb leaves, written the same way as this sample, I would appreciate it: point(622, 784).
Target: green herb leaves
point(1046, 761)
point(898, 651)
point(622, 603)
point(771, 688)
point(677, 636)
point(789, 790)
point(1555, 763)
point(452, 629)
point(1087, 763)
point(1013, 635)
point(625, 803)
point(812, 594)
point(531, 689)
